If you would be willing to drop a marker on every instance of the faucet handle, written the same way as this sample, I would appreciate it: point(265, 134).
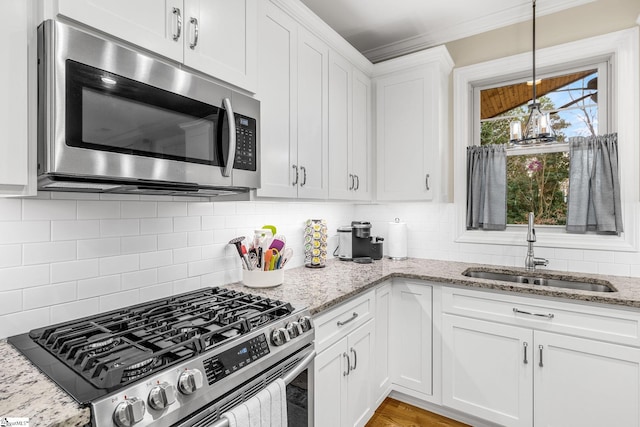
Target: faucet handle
point(541, 261)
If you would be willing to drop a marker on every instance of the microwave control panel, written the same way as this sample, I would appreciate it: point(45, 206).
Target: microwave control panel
point(246, 137)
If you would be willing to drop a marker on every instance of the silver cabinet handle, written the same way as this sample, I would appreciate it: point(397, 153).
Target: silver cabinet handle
point(426, 182)
point(345, 373)
point(540, 348)
point(357, 182)
point(351, 319)
point(524, 346)
point(178, 15)
point(528, 313)
point(295, 167)
point(304, 176)
point(353, 182)
point(194, 22)
point(231, 120)
point(355, 360)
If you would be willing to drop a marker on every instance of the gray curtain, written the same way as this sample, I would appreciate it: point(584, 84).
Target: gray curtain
point(594, 187)
point(487, 187)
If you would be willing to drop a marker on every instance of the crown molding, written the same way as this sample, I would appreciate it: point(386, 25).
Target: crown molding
point(513, 15)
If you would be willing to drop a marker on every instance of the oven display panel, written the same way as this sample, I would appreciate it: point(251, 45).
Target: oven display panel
point(235, 358)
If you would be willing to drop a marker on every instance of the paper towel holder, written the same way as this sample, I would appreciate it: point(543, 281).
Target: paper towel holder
point(397, 252)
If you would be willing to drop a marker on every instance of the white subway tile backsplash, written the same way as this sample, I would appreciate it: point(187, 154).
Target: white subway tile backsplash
point(172, 272)
point(119, 300)
point(198, 268)
point(187, 223)
point(24, 321)
point(75, 230)
point(171, 209)
point(614, 269)
point(139, 210)
point(24, 277)
point(48, 252)
point(119, 227)
point(598, 256)
point(74, 270)
point(199, 238)
point(227, 208)
point(200, 208)
point(172, 240)
point(98, 209)
point(186, 285)
point(24, 232)
point(70, 195)
point(150, 293)
point(10, 209)
point(98, 286)
point(10, 255)
point(138, 244)
point(156, 225)
point(74, 310)
point(156, 259)
point(11, 301)
point(119, 264)
point(139, 279)
point(43, 296)
point(187, 254)
point(97, 248)
point(34, 209)
point(213, 222)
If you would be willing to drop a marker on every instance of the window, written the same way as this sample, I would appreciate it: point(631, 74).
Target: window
point(620, 50)
point(537, 180)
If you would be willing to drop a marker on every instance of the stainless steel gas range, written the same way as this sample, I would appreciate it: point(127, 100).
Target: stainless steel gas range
point(182, 360)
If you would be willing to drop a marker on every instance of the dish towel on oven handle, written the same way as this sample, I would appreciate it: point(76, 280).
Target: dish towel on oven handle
point(268, 408)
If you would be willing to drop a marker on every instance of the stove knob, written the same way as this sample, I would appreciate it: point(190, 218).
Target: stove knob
point(189, 381)
point(279, 336)
point(129, 412)
point(305, 323)
point(294, 329)
point(161, 396)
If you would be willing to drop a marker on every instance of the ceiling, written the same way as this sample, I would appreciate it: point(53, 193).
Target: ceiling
point(383, 29)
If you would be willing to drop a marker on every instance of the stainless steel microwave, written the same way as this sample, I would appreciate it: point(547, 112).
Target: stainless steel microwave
point(114, 119)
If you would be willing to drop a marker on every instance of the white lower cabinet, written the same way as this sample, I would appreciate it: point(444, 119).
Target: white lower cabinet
point(343, 380)
point(526, 375)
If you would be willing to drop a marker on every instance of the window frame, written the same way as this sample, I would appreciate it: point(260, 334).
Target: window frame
point(621, 49)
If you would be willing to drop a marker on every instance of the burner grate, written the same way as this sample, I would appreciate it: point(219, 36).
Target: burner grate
point(112, 349)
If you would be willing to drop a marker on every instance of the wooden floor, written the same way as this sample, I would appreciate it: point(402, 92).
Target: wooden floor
point(392, 413)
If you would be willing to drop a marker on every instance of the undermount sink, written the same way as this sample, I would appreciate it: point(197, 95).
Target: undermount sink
point(541, 281)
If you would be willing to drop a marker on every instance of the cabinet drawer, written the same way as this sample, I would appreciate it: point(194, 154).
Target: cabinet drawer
point(337, 322)
point(589, 321)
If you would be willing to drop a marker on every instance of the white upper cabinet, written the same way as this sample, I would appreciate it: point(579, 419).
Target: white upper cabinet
point(17, 158)
point(217, 37)
point(349, 131)
point(293, 91)
point(411, 94)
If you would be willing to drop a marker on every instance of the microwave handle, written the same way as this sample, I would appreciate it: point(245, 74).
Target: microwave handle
point(232, 138)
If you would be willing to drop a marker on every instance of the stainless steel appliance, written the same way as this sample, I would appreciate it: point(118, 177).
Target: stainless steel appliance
point(113, 119)
point(355, 243)
point(181, 360)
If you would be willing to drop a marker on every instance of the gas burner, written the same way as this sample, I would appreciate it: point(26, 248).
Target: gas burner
point(99, 347)
point(139, 369)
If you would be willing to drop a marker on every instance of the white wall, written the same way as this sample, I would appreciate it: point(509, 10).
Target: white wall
point(431, 229)
point(64, 255)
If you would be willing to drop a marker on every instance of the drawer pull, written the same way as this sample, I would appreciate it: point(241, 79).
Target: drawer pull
point(540, 364)
point(355, 360)
point(525, 345)
point(352, 318)
point(548, 316)
point(345, 373)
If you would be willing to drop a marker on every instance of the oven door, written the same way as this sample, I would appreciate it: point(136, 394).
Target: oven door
point(297, 373)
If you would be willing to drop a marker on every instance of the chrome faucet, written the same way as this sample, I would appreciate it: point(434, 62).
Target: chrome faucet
point(530, 261)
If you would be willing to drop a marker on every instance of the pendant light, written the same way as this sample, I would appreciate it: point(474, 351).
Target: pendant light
point(538, 129)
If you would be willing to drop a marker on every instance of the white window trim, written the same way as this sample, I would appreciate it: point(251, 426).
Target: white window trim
point(622, 46)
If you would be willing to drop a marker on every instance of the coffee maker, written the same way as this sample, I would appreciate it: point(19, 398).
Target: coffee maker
point(355, 243)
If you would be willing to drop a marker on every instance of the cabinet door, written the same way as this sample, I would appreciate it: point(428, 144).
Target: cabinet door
point(313, 56)
point(14, 103)
point(152, 24)
point(403, 125)
point(226, 45)
point(381, 375)
point(341, 179)
point(580, 382)
point(330, 390)
point(361, 136)
point(360, 402)
point(487, 370)
point(278, 95)
point(411, 336)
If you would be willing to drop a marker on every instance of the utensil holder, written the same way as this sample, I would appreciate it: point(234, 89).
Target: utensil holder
point(262, 279)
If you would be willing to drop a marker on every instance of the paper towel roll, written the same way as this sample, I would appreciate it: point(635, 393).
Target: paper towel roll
point(397, 240)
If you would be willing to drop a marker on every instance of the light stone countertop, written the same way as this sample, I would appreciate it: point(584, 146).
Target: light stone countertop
point(25, 392)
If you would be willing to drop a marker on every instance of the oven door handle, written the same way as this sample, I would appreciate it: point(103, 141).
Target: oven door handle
point(231, 120)
point(302, 365)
